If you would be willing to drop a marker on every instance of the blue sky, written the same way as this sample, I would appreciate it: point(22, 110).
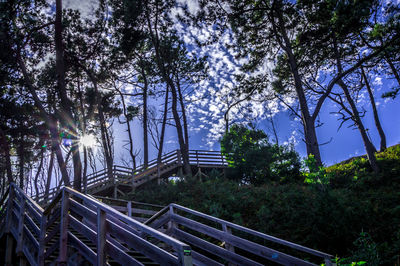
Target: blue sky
point(211, 99)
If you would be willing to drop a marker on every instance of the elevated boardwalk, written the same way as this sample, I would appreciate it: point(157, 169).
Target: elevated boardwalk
point(125, 179)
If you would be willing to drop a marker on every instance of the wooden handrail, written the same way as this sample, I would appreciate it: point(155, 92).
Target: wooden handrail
point(253, 232)
point(196, 157)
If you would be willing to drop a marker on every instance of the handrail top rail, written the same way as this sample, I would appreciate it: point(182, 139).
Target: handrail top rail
point(253, 232)
point(26, 197)
point(134, 202)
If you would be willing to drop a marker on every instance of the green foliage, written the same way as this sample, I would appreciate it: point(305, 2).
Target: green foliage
point(315, 174)
point(329, 220)
point(253, 160)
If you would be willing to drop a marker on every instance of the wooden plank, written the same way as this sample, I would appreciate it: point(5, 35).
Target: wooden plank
point(82, 210)
point(43, 227)
point(120, 256)
point(32, 225)
point(54, 216)
point(29, 256)
point(143, 246)
point(30, 236)
point(21, 227)
point(51, 234)
point(201, 260)
point(64, 227)
point(101, 237)
point(160, 222)
point(143, 211)
point(253, 232)
point(128, 220)
point(33, 212)
point(50, 250)
point(82, 248)
point(214, 249)
point(262, 251)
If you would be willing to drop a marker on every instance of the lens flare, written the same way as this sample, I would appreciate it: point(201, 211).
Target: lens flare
point(87, 141)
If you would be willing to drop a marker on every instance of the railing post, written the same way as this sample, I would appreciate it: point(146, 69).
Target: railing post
point(328, 262)
point(228, 246)
point(179, 157)
point(197, 158)
point(10, 203)
point(21, 228)
point(129, 207)
point(62, 259)
point(101, 237)
point(10, 239)
point(185, 256)
point(115, 181)
point(43, 228)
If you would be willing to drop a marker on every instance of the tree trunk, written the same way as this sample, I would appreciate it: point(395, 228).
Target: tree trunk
point(49, 175)
point(21, 156)
point(66, 105)
point(133, 157)
point(181, 140)
point(6, 149)
point(369, 147)
point(184, 119)
point(393, 68)
point(308, 122)
point(145, 122)
point(170, 83)
point(163, 125)
point(375, 111)
point(38, 171)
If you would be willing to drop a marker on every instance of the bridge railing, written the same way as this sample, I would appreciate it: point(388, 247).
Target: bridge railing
point(123, 174)
point(91, 227)
point(231, 242)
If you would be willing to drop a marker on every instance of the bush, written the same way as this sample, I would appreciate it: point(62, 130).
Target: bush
point(253, 160)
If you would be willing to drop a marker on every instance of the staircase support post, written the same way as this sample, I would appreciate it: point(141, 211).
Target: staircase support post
point(10, 238)
point(10, 204)
point(43, 225)
point(21, 228)
point(9, 250)
point(62, 259)
point(101, 237)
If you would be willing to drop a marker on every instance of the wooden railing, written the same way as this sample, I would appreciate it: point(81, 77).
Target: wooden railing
point(126, 175)
point(230, 242)
point(137, 210)
point(93, 229)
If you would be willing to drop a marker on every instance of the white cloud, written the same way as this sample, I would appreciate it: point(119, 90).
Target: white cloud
point(85, 7)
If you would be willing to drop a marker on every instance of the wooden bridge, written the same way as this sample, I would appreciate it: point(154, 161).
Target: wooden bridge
point(88, 229)
point(124, 179)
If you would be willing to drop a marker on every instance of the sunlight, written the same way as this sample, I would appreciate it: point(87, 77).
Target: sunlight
point(87, 140)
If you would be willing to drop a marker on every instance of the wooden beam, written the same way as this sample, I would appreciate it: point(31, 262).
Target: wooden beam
point(62, 259)
point(101, 237)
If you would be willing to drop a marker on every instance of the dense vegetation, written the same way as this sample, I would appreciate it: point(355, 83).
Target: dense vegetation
point(354, 213)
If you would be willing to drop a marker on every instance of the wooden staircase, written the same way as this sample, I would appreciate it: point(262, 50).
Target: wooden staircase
point(78, 229)
point(124, 179)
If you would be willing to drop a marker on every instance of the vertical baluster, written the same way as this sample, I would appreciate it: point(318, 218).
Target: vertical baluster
point(115, 181)
point(101, 237)
point(129, 207)
point(227, 230)
point(43, 228)
point(62, 259)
